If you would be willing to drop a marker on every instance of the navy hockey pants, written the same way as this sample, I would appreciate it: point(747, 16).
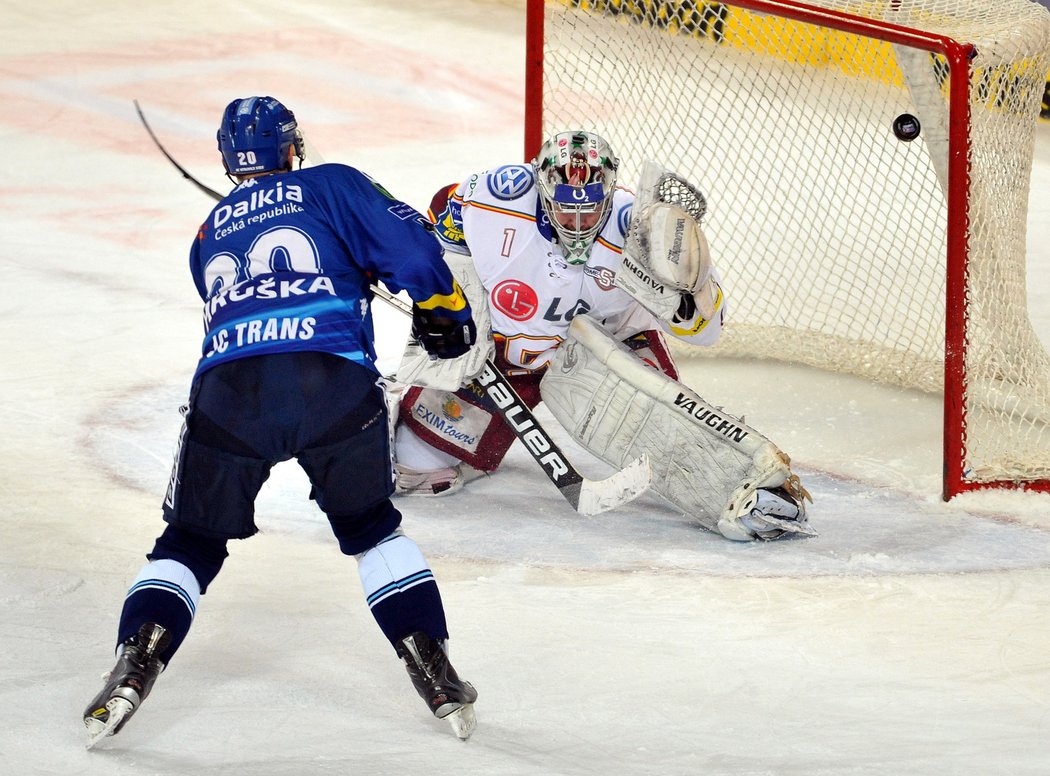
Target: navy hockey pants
point(244, 416)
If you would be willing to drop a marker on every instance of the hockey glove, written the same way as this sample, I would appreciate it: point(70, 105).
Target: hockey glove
point(686, 309)
point(441, 336)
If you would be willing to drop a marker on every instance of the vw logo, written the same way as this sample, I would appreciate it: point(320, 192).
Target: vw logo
point(623, 218)
point(510, 181)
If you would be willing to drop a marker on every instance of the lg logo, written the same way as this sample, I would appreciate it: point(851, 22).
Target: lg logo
point(515, 299)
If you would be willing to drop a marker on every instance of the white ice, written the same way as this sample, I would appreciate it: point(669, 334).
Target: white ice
point(910, 637)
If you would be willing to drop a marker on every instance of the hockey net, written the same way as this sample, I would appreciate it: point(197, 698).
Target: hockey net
point(842, 246)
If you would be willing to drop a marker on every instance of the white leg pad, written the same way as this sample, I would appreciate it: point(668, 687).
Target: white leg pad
point(705, 461)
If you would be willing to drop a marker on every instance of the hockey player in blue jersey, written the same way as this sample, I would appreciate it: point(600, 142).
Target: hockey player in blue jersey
point(284, 264)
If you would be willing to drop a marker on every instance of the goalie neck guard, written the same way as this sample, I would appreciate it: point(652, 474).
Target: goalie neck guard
point(576, 175)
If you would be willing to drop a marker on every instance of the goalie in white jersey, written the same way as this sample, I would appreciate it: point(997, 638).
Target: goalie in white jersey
point(571, 273)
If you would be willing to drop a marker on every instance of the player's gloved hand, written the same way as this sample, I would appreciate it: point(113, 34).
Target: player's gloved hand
point(440, 335)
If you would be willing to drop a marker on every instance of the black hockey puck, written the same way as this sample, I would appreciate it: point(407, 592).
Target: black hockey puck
point(906, 127)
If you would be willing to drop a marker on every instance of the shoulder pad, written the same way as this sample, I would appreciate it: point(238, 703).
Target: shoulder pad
point(446, 213)
point(439, 202)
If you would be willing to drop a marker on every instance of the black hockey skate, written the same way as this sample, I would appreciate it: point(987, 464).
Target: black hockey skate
point(128, 683)
point(437, 683)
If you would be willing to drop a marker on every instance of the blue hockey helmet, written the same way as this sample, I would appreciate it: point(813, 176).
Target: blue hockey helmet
point(255, 135)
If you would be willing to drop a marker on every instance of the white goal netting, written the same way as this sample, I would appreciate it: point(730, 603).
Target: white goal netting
point(830, 230)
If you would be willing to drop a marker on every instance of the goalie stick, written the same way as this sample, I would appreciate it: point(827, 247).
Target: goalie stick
point(588, 497)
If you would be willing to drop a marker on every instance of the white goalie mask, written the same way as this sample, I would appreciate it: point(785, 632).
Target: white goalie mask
point(576, 175)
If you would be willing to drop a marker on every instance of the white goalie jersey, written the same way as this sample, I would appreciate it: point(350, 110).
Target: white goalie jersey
point(568, 320)
point(532, 292)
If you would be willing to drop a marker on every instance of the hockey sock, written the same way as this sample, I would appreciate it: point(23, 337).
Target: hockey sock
point(400, 589)
point(165, 592)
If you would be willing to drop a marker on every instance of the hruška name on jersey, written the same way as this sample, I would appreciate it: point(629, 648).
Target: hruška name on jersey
point(268, 287)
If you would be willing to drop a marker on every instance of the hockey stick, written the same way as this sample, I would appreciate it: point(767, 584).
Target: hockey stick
point(210, 192)
point(588, 497)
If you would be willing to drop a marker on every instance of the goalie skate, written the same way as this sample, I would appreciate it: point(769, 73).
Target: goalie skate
point(447, 696)
point(774, 512)
point(128, 684)
point(440, 482)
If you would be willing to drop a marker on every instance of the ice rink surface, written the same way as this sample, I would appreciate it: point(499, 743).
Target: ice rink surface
point(910, 637)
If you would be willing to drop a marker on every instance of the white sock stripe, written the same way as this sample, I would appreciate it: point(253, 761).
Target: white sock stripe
point(160, 584)
point(399, 587)
point(394, 565)
point(172, 576)
point(398, 557)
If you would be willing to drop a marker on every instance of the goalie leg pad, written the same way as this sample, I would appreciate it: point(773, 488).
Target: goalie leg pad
point(705, 461)
point(454, 424)
point(651, 347)
point(460, 424)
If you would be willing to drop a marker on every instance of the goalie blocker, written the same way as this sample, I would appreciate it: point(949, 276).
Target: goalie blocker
point(708, 463)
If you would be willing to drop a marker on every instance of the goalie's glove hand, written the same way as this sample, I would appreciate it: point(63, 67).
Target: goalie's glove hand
point(686, 309)
point(440, 335)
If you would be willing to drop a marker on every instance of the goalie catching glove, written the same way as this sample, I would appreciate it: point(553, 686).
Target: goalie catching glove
point(666, 262)
point(706, 462)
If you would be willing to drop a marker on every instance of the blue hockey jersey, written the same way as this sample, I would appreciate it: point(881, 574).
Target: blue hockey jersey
point(284, 263)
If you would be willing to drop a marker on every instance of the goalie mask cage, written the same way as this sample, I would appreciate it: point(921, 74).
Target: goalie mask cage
point(843, 244)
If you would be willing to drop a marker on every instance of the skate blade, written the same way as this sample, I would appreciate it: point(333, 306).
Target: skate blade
point(788, 526)
point(97, 729)
point(463, 721)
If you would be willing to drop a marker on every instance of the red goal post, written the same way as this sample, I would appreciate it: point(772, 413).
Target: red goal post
point(845, 244)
